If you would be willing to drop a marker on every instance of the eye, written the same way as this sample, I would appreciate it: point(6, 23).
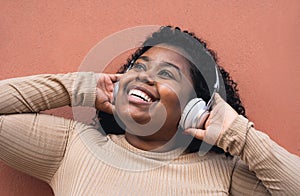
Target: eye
point(166, 74)
point(138, 67)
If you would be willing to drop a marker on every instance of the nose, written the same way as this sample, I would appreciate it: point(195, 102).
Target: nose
point(146, 77)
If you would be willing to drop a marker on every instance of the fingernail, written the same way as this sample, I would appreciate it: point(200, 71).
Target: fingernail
point(185, 133)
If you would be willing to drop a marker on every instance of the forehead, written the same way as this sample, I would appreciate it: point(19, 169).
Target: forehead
point(169, 54)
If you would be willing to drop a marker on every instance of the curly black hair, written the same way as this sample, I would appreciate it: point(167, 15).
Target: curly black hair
point(202, 60)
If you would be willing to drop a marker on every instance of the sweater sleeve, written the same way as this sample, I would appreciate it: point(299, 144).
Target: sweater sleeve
point(43, 92)
point(35, 143)
point(268, 163)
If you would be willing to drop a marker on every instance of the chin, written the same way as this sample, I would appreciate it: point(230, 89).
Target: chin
point(130, 114)
point(142, 126)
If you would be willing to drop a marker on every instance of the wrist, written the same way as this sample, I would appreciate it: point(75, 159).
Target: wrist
point(84, 90)
point(233, 139)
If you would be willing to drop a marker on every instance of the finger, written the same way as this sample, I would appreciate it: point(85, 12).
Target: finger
point(217, 99)
point(109, 86)
point(111, 97)
point(115, 77)
point(197, 133)
point(100, 79)
point(207, 122)
point(107, 107)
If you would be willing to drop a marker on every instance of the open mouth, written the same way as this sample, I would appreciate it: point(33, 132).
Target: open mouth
point(141, 94)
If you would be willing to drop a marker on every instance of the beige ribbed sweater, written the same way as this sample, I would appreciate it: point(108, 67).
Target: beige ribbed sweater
point(75, 159)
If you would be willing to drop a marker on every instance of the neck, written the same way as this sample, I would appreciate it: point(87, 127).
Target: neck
point(148, 144)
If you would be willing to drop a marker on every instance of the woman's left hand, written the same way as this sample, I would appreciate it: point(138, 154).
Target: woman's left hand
point(219, 120)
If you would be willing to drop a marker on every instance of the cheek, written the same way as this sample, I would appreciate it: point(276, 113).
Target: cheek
point(172, 99)
point(176, 95)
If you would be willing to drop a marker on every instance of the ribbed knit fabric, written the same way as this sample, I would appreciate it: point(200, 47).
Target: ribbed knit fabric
point(75, 159)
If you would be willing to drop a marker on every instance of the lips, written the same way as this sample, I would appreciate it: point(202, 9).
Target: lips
point(141, 95)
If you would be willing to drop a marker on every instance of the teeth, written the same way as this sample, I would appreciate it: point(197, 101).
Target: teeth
point(140, 94)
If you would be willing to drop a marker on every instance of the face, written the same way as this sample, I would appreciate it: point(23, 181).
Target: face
point(153, 92)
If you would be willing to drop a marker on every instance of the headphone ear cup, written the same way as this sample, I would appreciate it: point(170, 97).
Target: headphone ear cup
point(115, 92)
point(194, 114)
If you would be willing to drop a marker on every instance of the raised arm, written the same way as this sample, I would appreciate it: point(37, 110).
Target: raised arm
point(35, 143)
point(276, 168)
point(42, 92)
point(264, 166)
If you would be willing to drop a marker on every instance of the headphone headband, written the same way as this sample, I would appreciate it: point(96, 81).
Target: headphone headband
point(216, 89)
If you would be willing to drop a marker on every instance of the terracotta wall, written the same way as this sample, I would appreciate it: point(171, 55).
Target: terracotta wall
point(257, 41)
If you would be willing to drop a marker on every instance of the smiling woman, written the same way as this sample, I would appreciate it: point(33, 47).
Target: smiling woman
point(150, 153)
point(191, 73)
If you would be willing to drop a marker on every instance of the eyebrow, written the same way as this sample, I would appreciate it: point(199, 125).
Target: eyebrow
point(164, 63)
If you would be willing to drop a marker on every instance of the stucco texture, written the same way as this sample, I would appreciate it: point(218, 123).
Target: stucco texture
point(257, 42)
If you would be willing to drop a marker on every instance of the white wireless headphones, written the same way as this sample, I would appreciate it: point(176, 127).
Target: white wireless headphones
point(196, 111)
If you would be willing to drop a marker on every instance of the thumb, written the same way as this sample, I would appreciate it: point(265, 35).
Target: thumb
point(197, 133)
point(115, 77)
point(209, 135)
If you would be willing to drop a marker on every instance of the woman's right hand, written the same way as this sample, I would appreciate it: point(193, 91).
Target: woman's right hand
point(104, 91)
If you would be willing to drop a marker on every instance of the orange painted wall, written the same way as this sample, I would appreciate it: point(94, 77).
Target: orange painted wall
point(257, 41)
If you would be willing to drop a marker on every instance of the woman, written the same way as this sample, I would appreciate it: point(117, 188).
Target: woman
point(155, 155)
